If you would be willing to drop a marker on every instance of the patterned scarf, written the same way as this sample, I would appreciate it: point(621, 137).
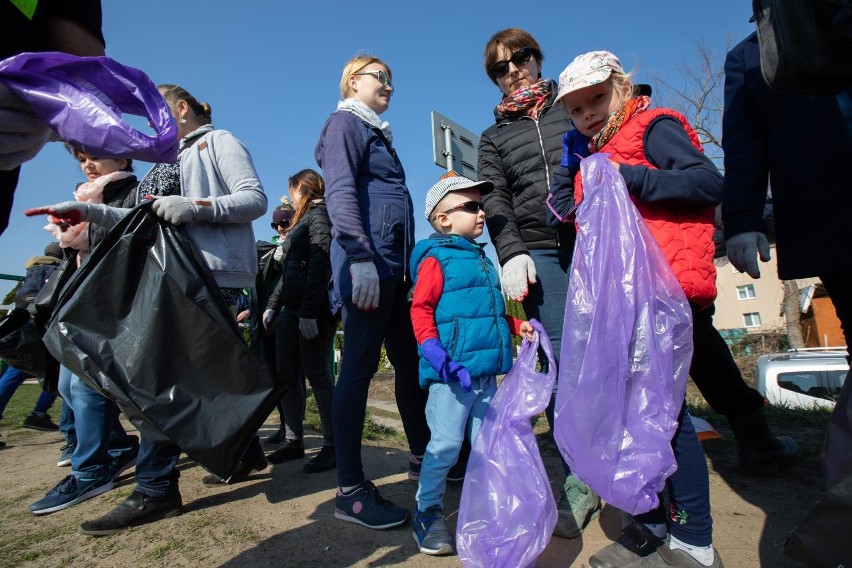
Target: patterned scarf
point(628, 110)
point(528, 100)
point(368, 115)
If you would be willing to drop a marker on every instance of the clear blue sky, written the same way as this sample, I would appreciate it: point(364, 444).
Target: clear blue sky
point(270, 71)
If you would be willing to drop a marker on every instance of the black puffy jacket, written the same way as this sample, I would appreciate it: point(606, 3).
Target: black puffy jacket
point(120, 193)
point(519, 156)
point(306, 268)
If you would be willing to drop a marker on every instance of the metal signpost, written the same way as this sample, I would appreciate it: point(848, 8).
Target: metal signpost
point(453, 146)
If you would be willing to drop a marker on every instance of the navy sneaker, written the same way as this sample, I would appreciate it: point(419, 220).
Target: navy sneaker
point(122, 462)
point(364, 506)
point(40, 422)
point(69, 492)
point(65, 453)
point(431, 533)
point(414, 466)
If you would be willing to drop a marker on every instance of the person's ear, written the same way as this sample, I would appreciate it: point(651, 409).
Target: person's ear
point(353, 84)
point(443, 221)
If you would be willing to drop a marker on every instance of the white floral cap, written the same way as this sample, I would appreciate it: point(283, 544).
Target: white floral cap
point(587, 70)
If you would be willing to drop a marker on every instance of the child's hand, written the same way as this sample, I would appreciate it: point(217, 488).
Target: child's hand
point(527, 331)
point(616, 164)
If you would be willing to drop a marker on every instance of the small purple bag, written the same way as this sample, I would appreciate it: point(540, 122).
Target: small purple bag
point(626, 349)
point(82, 100)
point(507, 512)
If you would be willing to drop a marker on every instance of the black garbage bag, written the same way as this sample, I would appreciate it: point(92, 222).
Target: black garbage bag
point(143, 322)
point(20, 343)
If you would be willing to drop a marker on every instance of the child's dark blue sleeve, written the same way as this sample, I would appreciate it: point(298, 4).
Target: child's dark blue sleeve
point(560, 197)
point(683, 174)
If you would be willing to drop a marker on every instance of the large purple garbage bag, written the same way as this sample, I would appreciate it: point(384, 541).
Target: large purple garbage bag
point(507, 511)
point(626, 349)
point(82, 99)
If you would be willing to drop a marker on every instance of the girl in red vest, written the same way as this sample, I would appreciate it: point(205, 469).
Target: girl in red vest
point(675, 188)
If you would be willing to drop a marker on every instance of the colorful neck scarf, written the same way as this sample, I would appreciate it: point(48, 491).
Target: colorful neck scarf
point(528, 100)
point(628, 110)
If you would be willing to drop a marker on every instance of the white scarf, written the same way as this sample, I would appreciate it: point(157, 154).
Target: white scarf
point(368, 115)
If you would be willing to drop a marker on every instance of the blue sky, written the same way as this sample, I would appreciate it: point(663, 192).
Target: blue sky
point(270, 71)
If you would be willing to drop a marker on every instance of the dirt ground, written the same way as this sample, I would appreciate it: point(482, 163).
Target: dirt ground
point(283, 517)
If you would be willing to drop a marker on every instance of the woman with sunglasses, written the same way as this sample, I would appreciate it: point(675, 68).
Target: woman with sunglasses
point(372, 235)
point(519, 155)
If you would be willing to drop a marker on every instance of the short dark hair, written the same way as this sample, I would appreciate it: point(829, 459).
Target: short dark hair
point(512, 39)
point(78, 154)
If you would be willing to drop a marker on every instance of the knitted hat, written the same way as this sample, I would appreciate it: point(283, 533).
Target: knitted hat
point(587, 70)
point(282, 215)
point(53, 249)
point(451, 181)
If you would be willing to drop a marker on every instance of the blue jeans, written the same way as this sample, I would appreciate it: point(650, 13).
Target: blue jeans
point(546, 303)
point(364, 333)
point(11, 379)
point(689, 490)
point(295, 354)
point(100, 436)
point(450, 413)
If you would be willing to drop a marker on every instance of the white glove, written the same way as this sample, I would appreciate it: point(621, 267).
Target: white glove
point(308, 328)
point(22, 132)
point(742, 248)
point(518, 274)
point(177, 210)
point(278, 255)
point(268, 316)
point(365, 285)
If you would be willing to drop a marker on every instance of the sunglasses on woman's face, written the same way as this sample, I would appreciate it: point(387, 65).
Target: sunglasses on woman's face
point(276, 224)
point(380, 76)
point(519, 58)
point(469, 206)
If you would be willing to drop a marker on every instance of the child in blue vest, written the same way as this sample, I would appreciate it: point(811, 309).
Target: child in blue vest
point(460, 322)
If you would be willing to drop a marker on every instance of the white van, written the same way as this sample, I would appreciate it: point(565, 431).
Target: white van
point(802, 378)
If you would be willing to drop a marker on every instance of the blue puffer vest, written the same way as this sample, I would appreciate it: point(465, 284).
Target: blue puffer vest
point(471, 314)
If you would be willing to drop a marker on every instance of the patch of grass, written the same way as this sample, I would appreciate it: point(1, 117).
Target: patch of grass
point(22, 404)
point(161, 551)
point(243, 535)
point(376, 432)
point(28, 546)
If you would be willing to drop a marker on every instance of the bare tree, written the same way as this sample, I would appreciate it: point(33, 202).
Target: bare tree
point(701, 99)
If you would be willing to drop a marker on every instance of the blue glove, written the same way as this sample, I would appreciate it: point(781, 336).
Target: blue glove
point(447, 369)
point(574, 143)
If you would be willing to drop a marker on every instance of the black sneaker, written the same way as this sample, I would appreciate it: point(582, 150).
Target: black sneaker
point(431, 533)
point(323, 461)
point(366, 507)
point(43, 422)
point(244, 470)
point(277, 437)
point(137, 509)
point(636, 542)
point(294, 450)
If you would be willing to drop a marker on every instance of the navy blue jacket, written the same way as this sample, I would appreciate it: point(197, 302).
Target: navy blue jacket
point(369, 205)
point(797, 144)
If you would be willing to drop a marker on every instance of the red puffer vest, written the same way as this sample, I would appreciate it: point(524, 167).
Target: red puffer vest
point(685, 235)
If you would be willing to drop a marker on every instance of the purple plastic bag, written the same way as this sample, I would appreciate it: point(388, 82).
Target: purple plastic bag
point(82, 100)
point(626, 349)
point(507, 512)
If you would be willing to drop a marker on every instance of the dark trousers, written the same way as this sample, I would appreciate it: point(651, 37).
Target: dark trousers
point(837, 450)
point(363, 334)
point(714, 371)
point(295, 354)
point(688, 516)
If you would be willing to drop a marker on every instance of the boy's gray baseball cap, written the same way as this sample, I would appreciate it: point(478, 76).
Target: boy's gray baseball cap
point(451, 181)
